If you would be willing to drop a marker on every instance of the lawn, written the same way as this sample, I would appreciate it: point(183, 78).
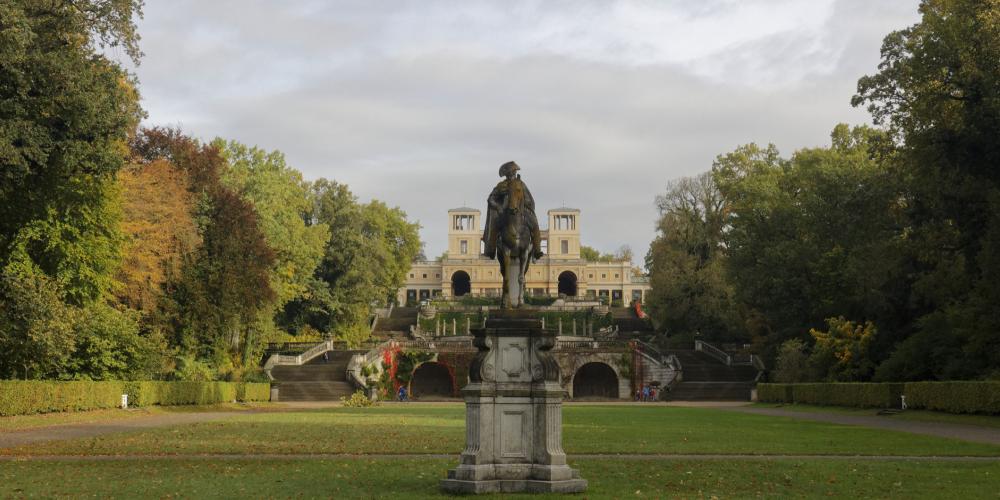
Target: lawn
point(415, 429)
point(418, 478)
point(186, 459)
point(25, 422)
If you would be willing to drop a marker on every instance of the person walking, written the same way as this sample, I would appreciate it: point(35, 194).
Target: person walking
point(401, 395)
point(645, 393)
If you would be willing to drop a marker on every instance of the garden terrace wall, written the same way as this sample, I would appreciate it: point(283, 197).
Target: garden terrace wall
point(22, 397)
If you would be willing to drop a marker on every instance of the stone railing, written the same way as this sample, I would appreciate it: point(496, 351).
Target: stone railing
point(713, 351)
point(298, 359)
point(359, 361)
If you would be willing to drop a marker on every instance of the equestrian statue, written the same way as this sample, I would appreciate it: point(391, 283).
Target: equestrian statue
point(512, 235)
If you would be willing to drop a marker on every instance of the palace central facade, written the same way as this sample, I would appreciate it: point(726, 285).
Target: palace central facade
point(464, 270)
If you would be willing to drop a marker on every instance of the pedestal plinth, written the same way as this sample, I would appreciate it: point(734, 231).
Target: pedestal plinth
point(513, 413)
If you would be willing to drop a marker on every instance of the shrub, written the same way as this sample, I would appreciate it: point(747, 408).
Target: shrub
point(774, 393)
point(860, 394)
point(358, 400)
point(23, 397)
point(954, 397)
point(42, 396)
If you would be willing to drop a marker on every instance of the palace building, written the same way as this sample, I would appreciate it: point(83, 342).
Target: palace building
point(562, 271)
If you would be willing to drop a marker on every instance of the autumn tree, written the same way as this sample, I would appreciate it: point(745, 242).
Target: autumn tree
point(159, 229)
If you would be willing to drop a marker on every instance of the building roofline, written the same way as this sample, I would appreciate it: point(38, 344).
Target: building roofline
point(464, 209)
point(564, 209)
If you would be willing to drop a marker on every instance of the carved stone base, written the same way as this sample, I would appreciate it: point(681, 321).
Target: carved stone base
point(513, 407)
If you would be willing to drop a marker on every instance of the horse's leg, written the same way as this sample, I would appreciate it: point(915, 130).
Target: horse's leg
point(502, 256)
point(514, 281)
point(523, 274)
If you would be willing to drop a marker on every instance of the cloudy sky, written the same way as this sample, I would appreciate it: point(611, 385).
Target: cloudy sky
point(601, 103)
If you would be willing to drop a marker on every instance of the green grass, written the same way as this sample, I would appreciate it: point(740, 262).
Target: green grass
point(912, 415)
point(37, 421)
point(414, 429)
point(418, 478)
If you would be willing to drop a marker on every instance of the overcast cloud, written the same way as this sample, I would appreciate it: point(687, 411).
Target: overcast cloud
point(601, 103)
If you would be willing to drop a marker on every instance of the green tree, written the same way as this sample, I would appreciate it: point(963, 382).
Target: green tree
point(109, 346)
point(282, 201)
point(690, 293)
point(66, 112)
point(938, 93)
point(815, 236)
point(36, 326)
point(366, 260)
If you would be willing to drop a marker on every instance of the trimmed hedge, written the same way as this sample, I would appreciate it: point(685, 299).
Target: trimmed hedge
point(955, 397)
point(21, 397)
point(861, 394)
point(951, 397)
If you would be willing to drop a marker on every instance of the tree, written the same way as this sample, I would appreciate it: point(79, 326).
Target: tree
point(282, 202)
point(218, 306)
point(814, 236)
point(843, 353)
point(938, 93)
point(66, 113)
point(370, 250)
point(36, 326)
point(159, 228)
point(690, 293)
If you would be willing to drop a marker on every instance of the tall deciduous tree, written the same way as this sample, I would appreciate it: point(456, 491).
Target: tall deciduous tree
point(938, 92)
point(815, 236)
point(159, 227)
point(282, 201)
point(369, 252)
point(65, 114)
point(686, 262)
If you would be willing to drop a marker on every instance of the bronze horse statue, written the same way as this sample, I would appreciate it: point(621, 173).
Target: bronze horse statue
point(512, 233)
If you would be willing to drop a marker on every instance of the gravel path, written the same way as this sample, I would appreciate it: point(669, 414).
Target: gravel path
point(973, 433)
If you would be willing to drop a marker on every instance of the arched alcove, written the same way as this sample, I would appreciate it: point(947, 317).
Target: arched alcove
point(461, 283)
point(567, 283)
point(595, 380)
point(431, 380)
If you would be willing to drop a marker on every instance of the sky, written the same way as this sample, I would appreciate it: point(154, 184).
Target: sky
point(601, 103)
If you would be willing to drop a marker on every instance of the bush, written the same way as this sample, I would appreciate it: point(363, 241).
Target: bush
point(23, 397)
point(42, 396)
point(860, 394)
point(954, 397)
point(358, 400)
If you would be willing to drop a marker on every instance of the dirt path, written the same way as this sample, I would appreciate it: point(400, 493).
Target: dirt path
point(973, 433)
point(71, 431)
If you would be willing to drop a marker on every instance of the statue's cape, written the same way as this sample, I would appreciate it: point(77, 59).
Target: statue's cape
point(498, 196)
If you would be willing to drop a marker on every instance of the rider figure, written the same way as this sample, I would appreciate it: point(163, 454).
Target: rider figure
point(510, 192)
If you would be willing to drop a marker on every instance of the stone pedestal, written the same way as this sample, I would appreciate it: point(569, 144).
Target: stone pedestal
point(513, 413)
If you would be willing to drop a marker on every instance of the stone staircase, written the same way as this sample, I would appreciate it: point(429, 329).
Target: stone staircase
point(316, 380)
point(705, 378)
point(397, 324)
point(627, 322)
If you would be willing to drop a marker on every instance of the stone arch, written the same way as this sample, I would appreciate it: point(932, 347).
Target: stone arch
point(567, 283)
point(432, 379)
point(461, 283)
point(596, 379)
